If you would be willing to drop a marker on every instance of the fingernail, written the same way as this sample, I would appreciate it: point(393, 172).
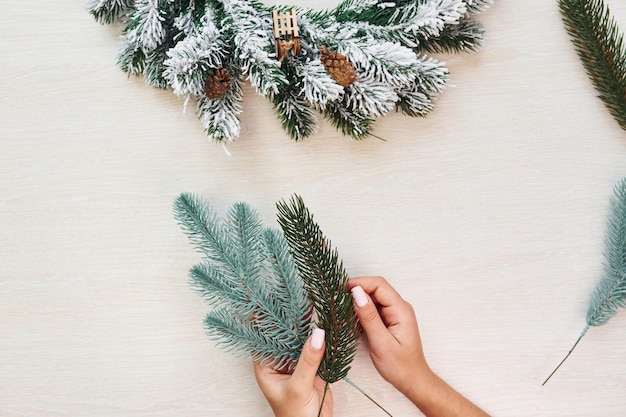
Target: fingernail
point(359, 296)
point(317, 338)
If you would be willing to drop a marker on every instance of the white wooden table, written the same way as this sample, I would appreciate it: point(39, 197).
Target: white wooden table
point(488, 216)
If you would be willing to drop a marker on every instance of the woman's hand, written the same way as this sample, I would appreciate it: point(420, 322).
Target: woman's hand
point(391, 328)
point(299, 394)
point(396, 350)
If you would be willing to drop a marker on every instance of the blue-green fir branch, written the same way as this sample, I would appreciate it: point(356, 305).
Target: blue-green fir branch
point(601, 48)
point(610, 292)
point(260, 307)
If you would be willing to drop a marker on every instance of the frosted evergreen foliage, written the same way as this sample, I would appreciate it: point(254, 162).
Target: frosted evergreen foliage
point(148, 31)
point(220, 116)
point(190, 61)
point(254, 46)
point(371, 98)
point(409, 23)
point(318, 88)
point(177, 44)
point(610, 293)
point(248, 276)
point(477, 6)
point(108, 11)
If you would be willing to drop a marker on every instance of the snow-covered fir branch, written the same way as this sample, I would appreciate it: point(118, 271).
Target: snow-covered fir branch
point(254, 46)
point(432, 75)
point(408, 23)
point(416, 100)
point(147, 30)
point(108, 11)
point(370, 98)
point(220, 116)
point(296, 117)
point(478, 6)
point(318, 87)
point(185, 22)
point(189, 62)
point(465, 36)
point(386, 62)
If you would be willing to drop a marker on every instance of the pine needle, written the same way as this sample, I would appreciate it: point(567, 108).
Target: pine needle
point(600, 46)
point(610, 293)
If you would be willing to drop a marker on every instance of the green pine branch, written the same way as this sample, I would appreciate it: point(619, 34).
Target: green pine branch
point(600, 46)
point(326, 282)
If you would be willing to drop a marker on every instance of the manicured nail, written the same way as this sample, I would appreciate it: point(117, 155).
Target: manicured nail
point(317, 338)
point(359, 296)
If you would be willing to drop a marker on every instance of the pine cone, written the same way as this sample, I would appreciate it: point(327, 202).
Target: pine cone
point(338, 66)
point(217, 83)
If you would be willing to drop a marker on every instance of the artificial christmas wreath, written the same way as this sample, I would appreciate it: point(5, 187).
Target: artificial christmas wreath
point(352, 64)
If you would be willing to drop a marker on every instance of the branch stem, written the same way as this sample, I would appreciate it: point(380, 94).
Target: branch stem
point(349, 381)
point(567, 356)
point(323, 398)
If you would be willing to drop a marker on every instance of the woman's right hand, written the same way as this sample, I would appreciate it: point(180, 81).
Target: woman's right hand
point(391, 328)
point(396, 350)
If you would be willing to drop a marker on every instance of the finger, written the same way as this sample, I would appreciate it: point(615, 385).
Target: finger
point(263, 375)
point(368, 315)
point(310, 359)
point(379, 290)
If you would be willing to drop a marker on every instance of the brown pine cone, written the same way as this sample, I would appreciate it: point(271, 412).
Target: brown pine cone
point(338, 66)
point(217, 83)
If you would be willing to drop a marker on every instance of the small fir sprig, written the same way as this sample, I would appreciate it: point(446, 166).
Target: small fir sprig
point(610, 293)
point(247, 274)
point(600, 46)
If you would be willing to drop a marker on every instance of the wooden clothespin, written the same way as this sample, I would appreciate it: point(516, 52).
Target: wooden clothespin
point(286, 33)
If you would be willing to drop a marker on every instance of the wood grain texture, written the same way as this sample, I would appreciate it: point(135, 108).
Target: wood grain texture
point(488, 216)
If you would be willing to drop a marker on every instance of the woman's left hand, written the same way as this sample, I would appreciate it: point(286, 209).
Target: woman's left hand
point(299, 394)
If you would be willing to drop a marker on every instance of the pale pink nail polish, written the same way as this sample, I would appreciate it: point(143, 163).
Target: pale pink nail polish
point(359, 296)
point(317, 338)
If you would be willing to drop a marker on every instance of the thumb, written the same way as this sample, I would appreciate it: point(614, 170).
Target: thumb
point(310, 359)
point(368, 315)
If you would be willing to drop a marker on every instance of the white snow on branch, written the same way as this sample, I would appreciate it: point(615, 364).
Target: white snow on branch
point(148, 33)
point(189, 62)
